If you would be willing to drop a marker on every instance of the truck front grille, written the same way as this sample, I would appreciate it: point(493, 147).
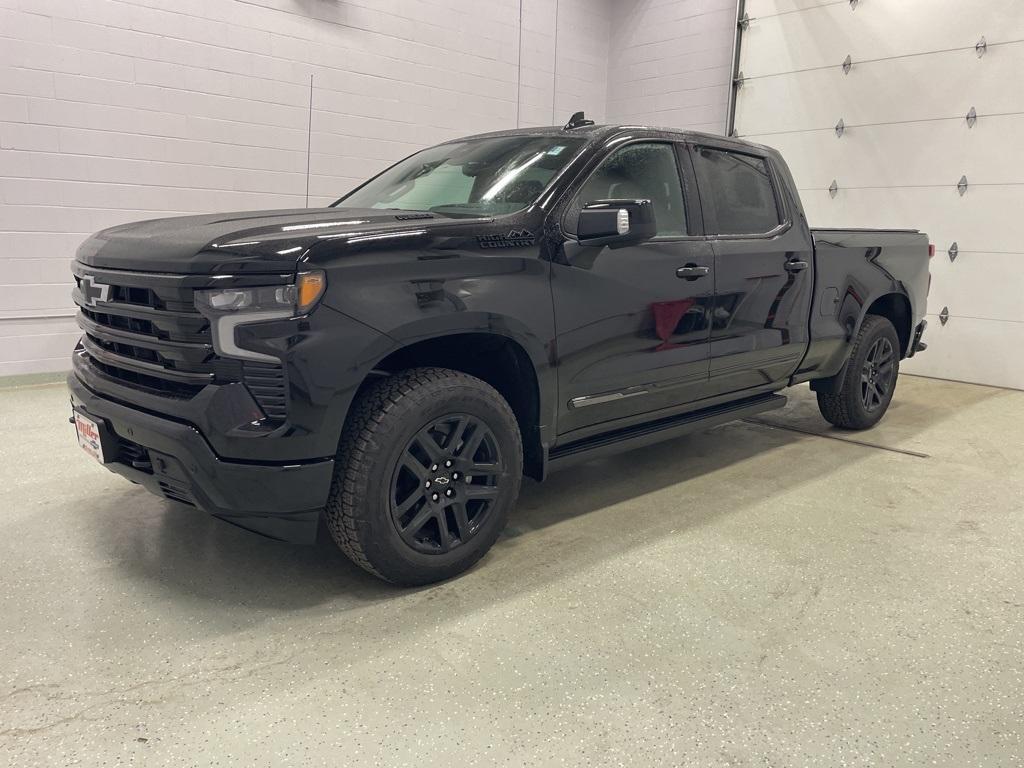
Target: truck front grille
point(143, 329)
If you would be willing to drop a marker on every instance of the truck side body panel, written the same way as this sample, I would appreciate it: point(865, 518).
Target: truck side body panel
point(854, 269)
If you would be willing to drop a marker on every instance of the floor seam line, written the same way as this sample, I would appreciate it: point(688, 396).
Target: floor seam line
point(904, 451)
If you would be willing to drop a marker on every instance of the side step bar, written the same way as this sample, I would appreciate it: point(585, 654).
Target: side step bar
point(655, 431)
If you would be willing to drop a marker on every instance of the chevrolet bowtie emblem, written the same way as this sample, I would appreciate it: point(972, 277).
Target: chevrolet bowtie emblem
point(93, 292)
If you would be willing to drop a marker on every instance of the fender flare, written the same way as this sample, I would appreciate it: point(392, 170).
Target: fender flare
point(485, 323)
point(831, 384)
point(895, 290)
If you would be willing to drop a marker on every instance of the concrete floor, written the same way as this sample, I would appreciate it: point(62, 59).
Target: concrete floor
point(747, 596)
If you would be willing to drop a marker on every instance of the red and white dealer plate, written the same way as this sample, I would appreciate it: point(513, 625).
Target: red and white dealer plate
point(89, 436)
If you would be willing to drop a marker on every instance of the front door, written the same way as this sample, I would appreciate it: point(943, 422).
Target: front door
point(633, 322)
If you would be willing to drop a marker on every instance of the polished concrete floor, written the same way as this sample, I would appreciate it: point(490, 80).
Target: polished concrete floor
point(755, 595)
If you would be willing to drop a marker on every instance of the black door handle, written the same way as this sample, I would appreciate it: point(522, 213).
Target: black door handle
point(692, 272)
point(796, 266)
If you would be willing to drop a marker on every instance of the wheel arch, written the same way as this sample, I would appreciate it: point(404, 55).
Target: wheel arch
point(895, 307)
point(497, 358)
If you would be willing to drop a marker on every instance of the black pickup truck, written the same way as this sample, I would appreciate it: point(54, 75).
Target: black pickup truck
point(495, 306)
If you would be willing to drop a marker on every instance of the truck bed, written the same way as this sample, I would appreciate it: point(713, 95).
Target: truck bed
point(852, 266)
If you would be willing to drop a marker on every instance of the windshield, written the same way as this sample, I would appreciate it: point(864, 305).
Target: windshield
point(469, 178)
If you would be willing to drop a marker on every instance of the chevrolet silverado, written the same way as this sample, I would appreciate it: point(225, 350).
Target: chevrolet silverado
point(496, 306)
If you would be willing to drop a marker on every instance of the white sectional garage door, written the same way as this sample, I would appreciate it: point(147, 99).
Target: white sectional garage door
point(916, 71)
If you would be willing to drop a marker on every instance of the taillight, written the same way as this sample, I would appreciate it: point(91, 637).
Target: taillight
point(931, 250)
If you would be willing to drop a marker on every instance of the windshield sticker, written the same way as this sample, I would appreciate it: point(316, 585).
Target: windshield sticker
point(556, 150)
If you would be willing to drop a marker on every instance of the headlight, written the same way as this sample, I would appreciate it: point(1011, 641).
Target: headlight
point(228, 308)
point(234, 299)
point(299, 298)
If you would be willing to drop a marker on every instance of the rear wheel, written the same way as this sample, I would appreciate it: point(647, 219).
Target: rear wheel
point(428, 469)
point(869, 379)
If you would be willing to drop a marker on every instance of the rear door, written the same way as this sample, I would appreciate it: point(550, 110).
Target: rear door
point(763, 269)
point(633, 329)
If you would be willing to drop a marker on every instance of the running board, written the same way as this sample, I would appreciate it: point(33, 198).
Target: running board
point(655, 431)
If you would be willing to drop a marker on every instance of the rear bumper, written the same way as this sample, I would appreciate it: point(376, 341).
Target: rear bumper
point(173, 460)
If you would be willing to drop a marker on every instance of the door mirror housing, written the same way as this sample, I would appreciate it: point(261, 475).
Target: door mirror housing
point(616, 223)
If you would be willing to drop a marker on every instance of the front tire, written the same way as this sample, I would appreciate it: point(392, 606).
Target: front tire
point(869, 379)
point(428, 468)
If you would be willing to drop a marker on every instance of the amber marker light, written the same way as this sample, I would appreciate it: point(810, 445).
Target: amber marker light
point(311, 287)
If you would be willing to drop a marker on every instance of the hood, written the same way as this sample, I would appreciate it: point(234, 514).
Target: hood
point(251, 241)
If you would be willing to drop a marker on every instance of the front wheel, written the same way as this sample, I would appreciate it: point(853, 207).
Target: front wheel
point(428, 468)
point(869, 379)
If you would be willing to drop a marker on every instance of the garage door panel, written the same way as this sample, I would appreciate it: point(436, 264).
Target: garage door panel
point(906, 154)
point(971, 285)
point(758, 9)
point(978, 221)
point(823, 35)
point(941, 85)
point(978, 351)
point(906, 143)
point(817, 37)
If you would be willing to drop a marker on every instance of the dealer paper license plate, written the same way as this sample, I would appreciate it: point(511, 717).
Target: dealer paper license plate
point(89, 436)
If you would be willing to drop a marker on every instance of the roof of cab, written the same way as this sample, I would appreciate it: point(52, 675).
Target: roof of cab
point(598, 132)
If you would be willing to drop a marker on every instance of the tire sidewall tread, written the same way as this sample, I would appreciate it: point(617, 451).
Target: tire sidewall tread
point(845, 408)
point(384, 417)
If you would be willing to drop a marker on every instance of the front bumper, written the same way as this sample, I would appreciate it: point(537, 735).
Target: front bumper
point(172, 459)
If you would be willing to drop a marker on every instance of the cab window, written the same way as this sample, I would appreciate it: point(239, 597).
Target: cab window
point(641, 171)
point(735, 192)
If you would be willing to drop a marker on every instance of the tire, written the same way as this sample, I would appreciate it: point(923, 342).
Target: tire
point(868, 380)
point(391, 475)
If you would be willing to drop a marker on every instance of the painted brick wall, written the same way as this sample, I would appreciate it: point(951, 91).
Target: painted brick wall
point(118, 110)
point(582, 57)
point(670, 62)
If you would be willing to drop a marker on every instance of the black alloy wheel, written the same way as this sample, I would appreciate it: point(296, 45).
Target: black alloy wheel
point(859, 395)
point(877, 374)
point(446, 483)
point(427, 471)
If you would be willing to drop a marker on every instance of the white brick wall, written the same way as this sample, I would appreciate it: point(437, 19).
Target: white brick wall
point(670, 62)
point(118, 110)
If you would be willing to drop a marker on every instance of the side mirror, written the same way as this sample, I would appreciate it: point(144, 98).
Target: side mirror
point(616, 223)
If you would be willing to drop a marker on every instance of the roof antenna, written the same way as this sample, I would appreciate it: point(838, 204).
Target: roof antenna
point(577, 121)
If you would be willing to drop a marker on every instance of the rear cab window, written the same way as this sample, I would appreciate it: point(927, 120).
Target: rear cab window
point(737, 193)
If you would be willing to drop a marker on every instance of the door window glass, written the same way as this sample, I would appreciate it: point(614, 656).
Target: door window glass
point(735, 192)
point(643, 171)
